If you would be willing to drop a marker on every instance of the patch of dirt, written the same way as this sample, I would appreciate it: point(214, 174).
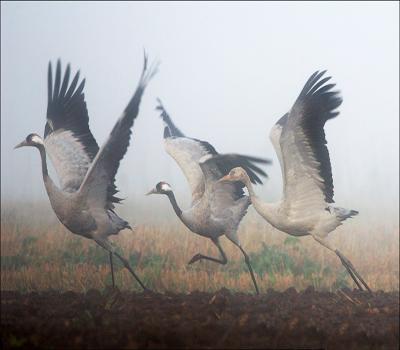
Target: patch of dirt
point(115, 319)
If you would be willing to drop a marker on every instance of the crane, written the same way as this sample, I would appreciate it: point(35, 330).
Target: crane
point(84, 201)
point(217, 208)
point(299, 140)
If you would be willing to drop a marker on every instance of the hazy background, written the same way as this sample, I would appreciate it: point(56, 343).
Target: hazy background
point(228, 72)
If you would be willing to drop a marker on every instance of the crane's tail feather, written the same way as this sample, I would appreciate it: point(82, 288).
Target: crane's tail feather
point(119, 223)
point(342, 213)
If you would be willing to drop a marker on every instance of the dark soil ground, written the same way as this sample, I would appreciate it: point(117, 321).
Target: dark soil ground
point(113, 319)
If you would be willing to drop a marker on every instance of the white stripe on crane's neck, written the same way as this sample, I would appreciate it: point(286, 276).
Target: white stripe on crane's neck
point(166, 187)
point(37, 139)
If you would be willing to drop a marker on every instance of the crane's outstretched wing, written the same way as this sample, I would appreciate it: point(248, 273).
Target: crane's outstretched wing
point(216, 166)
point(67, 137)
point(200, 162)
point(105, 165)
point(305, 159)
point(275, 137)
point(187, 152)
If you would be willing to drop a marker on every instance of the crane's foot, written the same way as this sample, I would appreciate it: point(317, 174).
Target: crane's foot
point(353, 272)
point(149, 292)
point(111, 292)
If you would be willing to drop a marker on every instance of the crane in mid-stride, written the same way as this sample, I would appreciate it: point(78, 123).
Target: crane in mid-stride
point(217, 208)
point(299, 141)
point(84, 202)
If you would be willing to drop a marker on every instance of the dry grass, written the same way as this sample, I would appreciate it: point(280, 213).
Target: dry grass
point(38, 253)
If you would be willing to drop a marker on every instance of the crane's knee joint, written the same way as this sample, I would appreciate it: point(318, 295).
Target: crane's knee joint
point(195, 258)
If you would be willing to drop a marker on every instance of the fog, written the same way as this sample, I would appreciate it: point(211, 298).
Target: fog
point(228, 72)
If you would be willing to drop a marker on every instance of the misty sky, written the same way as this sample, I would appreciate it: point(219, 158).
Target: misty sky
point(228, 72)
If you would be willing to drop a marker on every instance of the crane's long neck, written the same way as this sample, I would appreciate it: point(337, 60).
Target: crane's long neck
point(246, 180)
point(45, 173)
point(48, 182)
point(174, 204)
point(267, 210)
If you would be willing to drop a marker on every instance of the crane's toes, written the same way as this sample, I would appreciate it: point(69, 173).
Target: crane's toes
point(149, 292)
point(111, 290)
point(195, 258)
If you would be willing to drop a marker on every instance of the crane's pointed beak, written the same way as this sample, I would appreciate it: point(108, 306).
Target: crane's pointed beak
point(225, 178)
point(153, 191)
point(22, 144)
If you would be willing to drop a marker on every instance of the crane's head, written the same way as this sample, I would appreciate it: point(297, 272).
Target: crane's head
point(33, 140)
point(236, 174)
point(161, 188)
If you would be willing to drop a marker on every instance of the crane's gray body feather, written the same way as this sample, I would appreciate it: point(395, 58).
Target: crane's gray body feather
point(299, 141)
point(306, 207)
point(215, 215)
point(217, 207)
point(84, 202)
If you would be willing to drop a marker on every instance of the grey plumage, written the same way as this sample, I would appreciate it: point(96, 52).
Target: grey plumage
point(84, 203)
point(316, 104)
point(217, 208)
point(299, 141)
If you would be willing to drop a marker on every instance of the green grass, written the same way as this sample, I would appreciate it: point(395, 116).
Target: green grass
point(272, 261)
point(38, 253)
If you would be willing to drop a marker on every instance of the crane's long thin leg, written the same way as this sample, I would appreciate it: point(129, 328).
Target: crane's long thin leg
point(112, 270)
point(247, 260)
point(349, 270)
point(199, 256)
point(107, 246)
point(346, 263)
point(126, 264)
point(351, 274)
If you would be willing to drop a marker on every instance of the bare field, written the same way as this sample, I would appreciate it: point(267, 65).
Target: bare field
point(55, 287)
point(38, 253)
point(114, 320)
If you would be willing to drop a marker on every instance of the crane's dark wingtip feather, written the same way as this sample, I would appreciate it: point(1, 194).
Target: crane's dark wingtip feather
point(65, 82)
point(316, 104)
point(57, 81)
point(282, 121)
point(66, 112)
point(159, 106)
point(226, 162)
point(49, 84)
point(170, 130)
point(120, 135)
point(147, 73)
point(258, 159)
point(145, 59)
